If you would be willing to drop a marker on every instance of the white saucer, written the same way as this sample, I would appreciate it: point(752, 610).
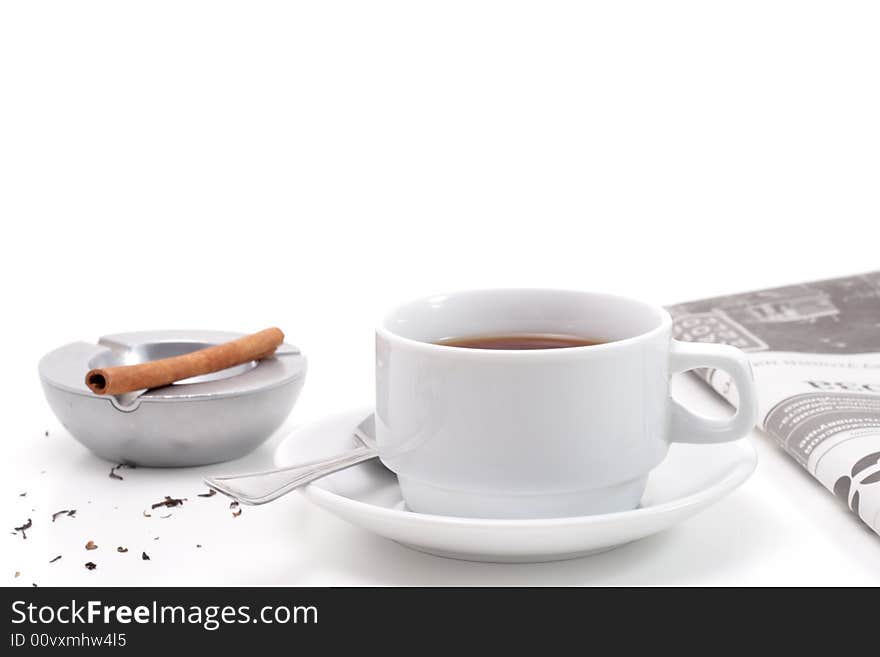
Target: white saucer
point(690, 479)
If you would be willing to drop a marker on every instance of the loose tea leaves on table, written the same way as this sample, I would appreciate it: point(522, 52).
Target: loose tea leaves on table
point(64, 512)
point(91, 565)
point(55, 559)
point(169, 502)
point(122, 549)
point(91, 546)
point(211, 493)
point(115, 475)
point(145, 556)
point(23, 529)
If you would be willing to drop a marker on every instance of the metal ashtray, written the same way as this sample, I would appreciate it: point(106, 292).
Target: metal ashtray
point(206, 419)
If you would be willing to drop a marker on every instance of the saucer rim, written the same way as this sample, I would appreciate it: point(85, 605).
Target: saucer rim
point(321, 496)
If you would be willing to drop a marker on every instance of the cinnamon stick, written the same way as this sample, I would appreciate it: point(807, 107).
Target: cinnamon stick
point(156, 373)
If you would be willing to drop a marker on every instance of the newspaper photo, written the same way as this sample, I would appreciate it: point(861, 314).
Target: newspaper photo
point(815, 352)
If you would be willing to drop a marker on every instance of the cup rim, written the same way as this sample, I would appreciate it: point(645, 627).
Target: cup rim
point(664, 322)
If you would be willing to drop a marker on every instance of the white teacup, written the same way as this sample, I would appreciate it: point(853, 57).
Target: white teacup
point(538, 433)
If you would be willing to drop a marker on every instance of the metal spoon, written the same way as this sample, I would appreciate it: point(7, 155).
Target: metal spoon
point(263, 487)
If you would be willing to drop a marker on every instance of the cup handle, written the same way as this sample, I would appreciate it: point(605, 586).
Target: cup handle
point(689, 427)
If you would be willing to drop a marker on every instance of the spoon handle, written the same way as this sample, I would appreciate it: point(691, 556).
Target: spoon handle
point(262, 487)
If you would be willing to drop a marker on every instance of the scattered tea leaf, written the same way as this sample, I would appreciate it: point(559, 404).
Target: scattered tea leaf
point(34, 584)
point(91, 565)
point(198, 545)
point(17, 573)
point(47, 433)
point(71, 513)
point(155, 538)
point(233, 504)
point(147, 515)
point(169, 502)
point(23, 529)
point(55, 559)
point(145, 556)
point(235, 514)
point(24, 494)
point(113, 471)
point(63, 512)
point(122, 549)
point(91, 546)
point(211, 493)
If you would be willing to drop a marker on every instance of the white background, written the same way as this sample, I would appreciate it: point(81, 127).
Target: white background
point(235, 165)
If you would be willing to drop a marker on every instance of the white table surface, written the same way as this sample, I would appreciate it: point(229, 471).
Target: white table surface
point(780, 528)
point(212, 164)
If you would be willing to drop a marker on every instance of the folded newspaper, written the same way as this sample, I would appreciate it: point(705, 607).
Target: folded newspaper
point(815, 352)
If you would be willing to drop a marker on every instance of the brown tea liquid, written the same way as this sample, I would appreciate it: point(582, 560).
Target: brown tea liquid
point(520, 341)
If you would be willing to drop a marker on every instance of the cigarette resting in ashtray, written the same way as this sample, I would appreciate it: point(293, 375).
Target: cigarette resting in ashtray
point(157, 373)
